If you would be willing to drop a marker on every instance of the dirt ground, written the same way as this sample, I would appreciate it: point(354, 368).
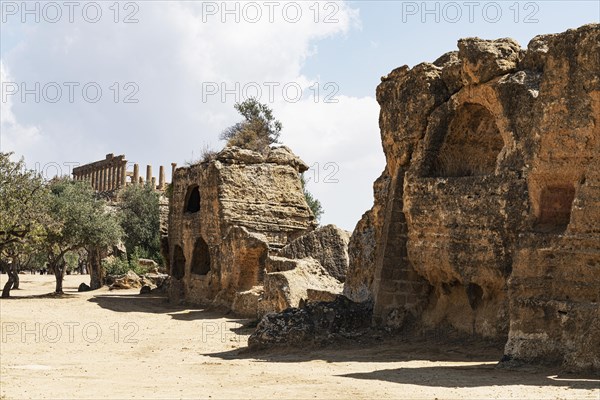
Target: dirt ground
point(120, 345)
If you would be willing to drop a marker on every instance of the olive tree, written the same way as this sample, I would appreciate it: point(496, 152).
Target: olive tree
point(139, 212)
point(79, 220)
point(23, 213)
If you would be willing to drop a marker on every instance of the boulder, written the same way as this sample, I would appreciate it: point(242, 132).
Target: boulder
point(246, 303)
point(483, 60)
point(327, 244)
point(155, 279)
point(284, 156)
point(84, 287)
point(288, 288)
point(235, 155)
point(147, 263)
point(128, 281)
point(316, 323)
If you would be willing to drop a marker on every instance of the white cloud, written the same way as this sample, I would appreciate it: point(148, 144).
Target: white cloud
point(171, 54)
point(14, 135)
point(340, 141)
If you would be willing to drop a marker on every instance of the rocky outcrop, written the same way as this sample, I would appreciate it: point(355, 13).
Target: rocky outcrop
point(227, 215)
point(306, 280)
point(131, 280)
point(328, 245)
point(315, 323)
point(486, 218)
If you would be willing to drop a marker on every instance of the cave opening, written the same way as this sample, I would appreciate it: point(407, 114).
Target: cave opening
point(201, 258)
point(192, 200)
point(471, 145)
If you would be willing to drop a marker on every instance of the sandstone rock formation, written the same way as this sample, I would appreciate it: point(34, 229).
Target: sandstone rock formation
point(131, 280)
point(305, 280)
point(486, 218)
point(230, 215)
point(327, 244)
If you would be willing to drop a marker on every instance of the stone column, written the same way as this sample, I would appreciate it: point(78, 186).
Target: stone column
point(94, 179)
point(123, 176)
point(120, 173)
point(136, 174)
point(148, 173)
point(104, 179)
point(161, 178)
point(109, 180)
point(153, 183)
point(114, 177)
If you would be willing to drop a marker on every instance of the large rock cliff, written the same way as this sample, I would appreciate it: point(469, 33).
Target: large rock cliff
point(486, 219)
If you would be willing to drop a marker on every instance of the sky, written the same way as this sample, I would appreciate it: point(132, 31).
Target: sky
point(157, 80)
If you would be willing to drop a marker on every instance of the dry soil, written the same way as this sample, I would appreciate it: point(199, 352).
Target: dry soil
point(120, 345)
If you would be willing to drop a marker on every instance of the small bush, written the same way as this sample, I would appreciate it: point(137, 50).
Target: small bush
point(207, 153)
point(116, 265)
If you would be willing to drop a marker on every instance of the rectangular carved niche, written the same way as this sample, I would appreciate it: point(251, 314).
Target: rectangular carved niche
point(555, 208)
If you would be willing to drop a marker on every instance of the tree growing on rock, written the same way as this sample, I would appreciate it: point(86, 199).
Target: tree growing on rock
point(258, 131)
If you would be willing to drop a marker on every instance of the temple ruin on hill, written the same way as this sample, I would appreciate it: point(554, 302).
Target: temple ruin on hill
point(487, 216)
point(111, 174)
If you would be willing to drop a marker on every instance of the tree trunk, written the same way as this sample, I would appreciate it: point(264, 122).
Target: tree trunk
point(12, 275)
point(59, 267)
point(16, 264)
point(16, 283)
point(95, 268)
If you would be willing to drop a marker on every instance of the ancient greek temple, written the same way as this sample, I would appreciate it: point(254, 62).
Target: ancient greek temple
point(111, 174)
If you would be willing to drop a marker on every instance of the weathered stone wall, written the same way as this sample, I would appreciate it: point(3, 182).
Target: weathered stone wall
point(487, 216)
point(226, 215)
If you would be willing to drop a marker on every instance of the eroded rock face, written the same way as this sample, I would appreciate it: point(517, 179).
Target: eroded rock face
point(487, 216)
point(226, 216)
point(327, 244)
point(306, 280)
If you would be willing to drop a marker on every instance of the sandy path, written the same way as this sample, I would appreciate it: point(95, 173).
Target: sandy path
point(122, 345)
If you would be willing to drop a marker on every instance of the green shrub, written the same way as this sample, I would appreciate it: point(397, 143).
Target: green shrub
point(116, 265)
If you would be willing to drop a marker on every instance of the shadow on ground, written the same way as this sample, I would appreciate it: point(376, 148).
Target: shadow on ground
point(484, 354)
point(477, 375)
point(52, 295)
point(375, 348)
point(156, 304)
